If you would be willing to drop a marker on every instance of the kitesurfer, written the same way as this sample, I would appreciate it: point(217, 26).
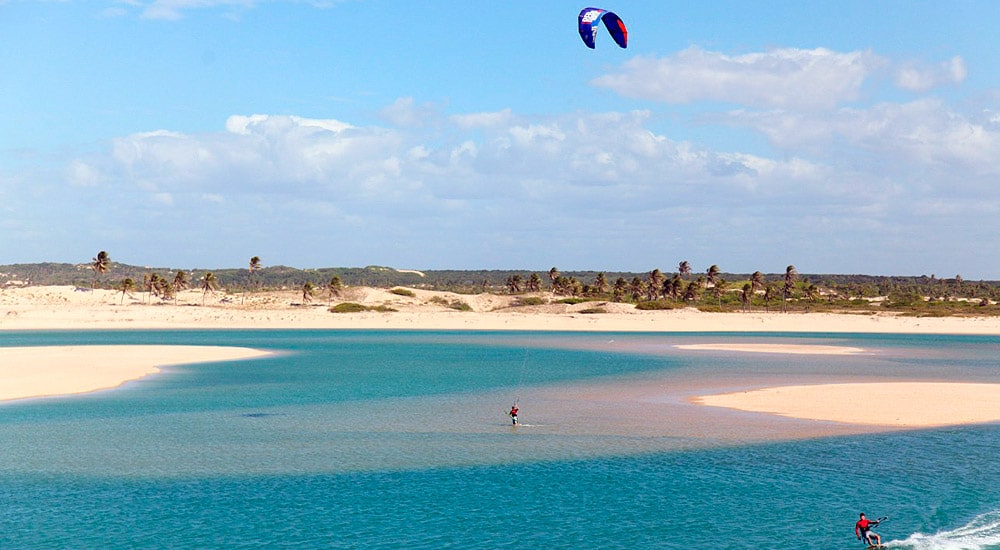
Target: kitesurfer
point(513, 414)
point(863, 531)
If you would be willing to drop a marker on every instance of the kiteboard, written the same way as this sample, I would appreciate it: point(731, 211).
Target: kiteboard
point(875, 546)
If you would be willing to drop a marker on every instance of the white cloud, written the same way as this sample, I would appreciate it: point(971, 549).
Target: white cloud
point(83, 174)
point(920, 78)
point(480, 120)
point(781, 78)
point(174, 9)
point(907, 138)
point(471, 187)
point(406, 112)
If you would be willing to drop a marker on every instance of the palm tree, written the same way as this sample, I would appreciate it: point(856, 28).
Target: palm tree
point(126, 287)
point(534, 283)
point(152, 284)
point(718, 289)
point(334, 287)
point(553, 275)
point(254, 266)
point(691, 291)
point(756, 282)
point(180, 283)
point(601, 283)
point(684, 268)
point(165, 289)
point(673, 287)
point(618, 291)
point(712, 273)
point(786, 291)
point(181, 280)
point(747, 297)
point(514, 284)
point(636, 289)
point(308, 290)
point(100, 265)
point(565, 285)
point(769, 292)
point(208, 284)
point(656, 279)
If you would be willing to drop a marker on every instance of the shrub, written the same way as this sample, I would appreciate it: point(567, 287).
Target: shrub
point(529, 301)
point(655, 304)
point(403, 292)
point(348, 307)
point(592, 310)
point(458, 305)
point(351, 307)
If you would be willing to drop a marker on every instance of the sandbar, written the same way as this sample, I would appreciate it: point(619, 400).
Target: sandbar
point(46, 371)
point(794, 349)
point(897, 404)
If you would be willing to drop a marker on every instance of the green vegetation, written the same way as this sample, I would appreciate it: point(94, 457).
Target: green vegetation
point(655, 305)
point(574, 301)
point(457, 305)
point(712, 290)
point(351, 307)
point(403, 292)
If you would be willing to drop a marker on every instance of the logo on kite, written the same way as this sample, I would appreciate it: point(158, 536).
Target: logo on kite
point(590, 19)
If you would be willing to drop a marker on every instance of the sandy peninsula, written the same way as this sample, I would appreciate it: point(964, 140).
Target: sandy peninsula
point(896, 404)
point(57, 371)
point(64, 370)
point(899, 404)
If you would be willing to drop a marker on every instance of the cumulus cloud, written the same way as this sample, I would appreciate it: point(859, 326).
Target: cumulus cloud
point(500, 155)
point(919, 78)
point(474, 185)
point(782, 78)
point(910, 137)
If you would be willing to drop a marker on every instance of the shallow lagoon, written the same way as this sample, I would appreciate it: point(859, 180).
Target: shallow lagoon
point(398, 440)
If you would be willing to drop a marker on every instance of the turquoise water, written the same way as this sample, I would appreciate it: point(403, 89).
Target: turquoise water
point(368, 439)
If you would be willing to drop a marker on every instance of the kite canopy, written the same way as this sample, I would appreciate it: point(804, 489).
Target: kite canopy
point(590, 19)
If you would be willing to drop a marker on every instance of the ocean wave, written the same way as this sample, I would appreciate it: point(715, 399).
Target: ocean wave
point(982, 533)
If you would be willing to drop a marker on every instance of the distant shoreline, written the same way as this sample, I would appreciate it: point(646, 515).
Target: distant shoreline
point(67, 308)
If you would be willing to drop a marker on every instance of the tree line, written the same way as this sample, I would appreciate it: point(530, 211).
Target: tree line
point(710, 289)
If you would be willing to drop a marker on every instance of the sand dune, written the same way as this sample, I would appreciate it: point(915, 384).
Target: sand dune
point(66, 307)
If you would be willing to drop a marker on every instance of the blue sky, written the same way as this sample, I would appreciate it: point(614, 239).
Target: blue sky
point(841, 137)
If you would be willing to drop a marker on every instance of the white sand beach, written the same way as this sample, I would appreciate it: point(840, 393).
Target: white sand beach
point(67, 307)
point(900, 404)
point(63, 370)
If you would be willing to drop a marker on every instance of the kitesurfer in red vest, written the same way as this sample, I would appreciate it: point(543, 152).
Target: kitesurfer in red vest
point(513, 414)
point(863, 530)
